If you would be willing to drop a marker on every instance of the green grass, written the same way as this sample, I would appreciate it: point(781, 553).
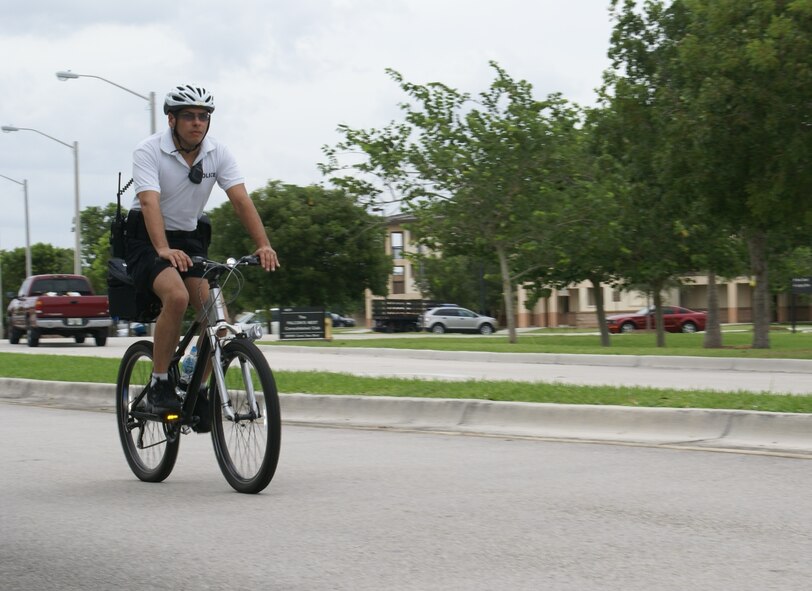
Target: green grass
point(783, 344)
point(91, 369)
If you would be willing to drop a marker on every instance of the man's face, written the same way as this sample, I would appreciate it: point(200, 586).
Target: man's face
point(191, 124)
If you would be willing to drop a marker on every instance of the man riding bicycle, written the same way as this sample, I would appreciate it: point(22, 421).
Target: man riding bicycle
point(174, 172)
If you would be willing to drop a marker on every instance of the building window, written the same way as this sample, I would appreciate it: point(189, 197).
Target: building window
point(398, 279)
point(615, 295)
point(397, 245)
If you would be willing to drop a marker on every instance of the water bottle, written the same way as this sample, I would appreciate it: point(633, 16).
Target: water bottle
point(187, 366)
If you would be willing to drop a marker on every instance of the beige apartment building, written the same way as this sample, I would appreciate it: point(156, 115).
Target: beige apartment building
point(575, 306)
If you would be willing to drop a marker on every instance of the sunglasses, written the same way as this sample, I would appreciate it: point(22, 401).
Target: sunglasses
point(190, 116)
point(196, 173)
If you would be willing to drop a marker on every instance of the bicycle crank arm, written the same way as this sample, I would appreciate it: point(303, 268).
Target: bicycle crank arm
point(148, 416)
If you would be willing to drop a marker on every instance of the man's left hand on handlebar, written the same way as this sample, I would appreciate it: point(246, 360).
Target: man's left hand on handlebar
point(267, 258)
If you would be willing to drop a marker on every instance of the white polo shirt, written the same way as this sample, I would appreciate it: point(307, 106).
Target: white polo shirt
point(158, 166)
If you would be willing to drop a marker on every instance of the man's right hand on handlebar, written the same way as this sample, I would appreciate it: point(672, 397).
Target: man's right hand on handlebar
point(267, 258)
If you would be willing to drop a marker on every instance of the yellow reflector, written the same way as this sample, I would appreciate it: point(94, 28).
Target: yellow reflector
point(172, 417)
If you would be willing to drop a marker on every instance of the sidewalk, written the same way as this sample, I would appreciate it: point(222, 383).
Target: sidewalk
point(649, 361)
point(784, 434)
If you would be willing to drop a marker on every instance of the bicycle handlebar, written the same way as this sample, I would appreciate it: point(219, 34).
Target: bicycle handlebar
point(249, 259)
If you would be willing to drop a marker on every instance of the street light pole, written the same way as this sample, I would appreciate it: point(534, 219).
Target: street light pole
point(24, 183)
point(77, 252)
point(63, 76)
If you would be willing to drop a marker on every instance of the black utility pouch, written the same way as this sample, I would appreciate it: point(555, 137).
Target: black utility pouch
point(120, 290)
point(125, 300)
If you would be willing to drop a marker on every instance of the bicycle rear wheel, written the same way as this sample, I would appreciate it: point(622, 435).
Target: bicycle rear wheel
point(247, 448)
point(151, 447)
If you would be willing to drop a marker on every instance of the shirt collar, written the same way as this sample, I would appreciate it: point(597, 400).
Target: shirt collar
point(168, 144)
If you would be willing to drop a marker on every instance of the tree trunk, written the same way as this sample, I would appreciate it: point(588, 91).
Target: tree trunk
point(713, 328)
point(600, 307)
point(507, 292)
point(658, 316)
point(757, 246)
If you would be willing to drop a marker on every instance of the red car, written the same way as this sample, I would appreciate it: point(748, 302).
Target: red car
point(676, 320)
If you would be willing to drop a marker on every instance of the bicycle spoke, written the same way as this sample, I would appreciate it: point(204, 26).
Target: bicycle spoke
point(247, 446)
point(149, 449)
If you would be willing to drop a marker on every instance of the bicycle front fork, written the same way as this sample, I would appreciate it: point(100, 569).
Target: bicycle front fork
point(217, 323)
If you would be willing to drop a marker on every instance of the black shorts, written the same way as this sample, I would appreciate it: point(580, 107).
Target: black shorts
point(144, 264)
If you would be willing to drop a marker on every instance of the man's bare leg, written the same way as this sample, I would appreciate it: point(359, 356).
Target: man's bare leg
point(169, 287)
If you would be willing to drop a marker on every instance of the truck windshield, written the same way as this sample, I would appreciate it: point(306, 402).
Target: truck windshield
point(60, 286)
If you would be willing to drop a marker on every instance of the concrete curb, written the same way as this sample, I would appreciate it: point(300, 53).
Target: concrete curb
point(781, 433)
point(647, 361)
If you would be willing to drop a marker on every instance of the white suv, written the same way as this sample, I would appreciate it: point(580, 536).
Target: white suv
point(454, 319)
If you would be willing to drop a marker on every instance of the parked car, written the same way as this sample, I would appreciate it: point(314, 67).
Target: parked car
point(339, 320)
point(267, 319)
point(455, 319)
point(675, 318)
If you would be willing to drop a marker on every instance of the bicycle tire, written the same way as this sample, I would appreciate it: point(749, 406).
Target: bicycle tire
point(247, 450)
point(150, 450)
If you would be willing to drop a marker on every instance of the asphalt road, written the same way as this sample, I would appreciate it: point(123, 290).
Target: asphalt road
point(462, 366)
point(369, 510)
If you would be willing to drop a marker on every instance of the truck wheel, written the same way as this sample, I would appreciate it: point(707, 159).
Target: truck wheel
point(101, 339)
point(33, 337)
point(14, 335)
point(79, 339)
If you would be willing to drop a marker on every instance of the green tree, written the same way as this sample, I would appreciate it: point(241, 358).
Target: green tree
point(463, 280)
point(45, 259)
point(482, 175)
point(95, 226)
point(96, 223)
point(653, 252)
point(738, 78)
point(671, 227)
point(585, 241)
point(330, 248)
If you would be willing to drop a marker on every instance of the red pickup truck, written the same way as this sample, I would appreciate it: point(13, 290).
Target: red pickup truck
point(61, 305)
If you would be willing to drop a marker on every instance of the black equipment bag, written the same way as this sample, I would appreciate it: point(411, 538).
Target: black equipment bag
point(125, 300)
point(120, 290)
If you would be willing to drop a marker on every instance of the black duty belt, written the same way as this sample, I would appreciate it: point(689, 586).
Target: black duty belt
point(138, 230)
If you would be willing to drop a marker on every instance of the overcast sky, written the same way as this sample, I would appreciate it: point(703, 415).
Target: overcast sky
point(284, 75)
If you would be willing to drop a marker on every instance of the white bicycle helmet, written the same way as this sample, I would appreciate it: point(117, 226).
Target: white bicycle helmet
point(187, 95)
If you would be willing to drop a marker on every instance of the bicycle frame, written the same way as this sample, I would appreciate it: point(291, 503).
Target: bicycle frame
point(211, 323)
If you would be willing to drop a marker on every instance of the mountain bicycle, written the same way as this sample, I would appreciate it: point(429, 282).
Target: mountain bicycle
point(243, 400)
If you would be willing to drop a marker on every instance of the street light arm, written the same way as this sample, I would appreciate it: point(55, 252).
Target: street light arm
point(8, 128)
point(77, 253)
point(12, 180)
point(63, 76)
point(69, 75)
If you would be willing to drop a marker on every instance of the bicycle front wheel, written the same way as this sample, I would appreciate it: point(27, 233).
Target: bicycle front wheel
point(247, 447)
point(151, 447)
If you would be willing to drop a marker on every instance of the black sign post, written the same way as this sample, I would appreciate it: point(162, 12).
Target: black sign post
point(799, 285)
point(301, 323)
